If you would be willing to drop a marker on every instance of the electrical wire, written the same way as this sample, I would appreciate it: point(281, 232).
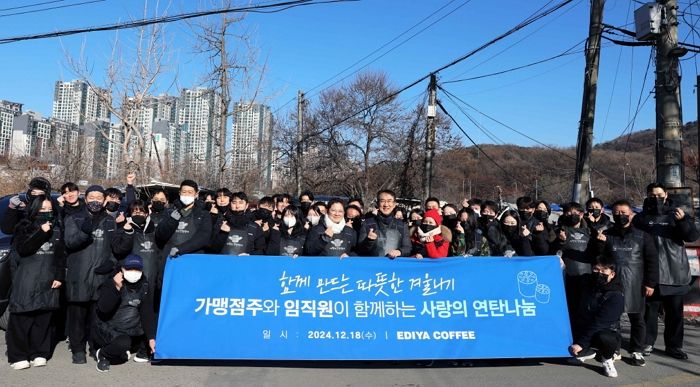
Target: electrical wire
point(51, 8)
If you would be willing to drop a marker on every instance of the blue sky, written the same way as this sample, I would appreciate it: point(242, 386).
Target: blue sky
point(303, 47)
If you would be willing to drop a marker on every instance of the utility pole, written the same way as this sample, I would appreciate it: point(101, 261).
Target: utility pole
point(300, 137)
point(430, 137)
point(584, 144)
point(697, 126)
point(669, 136)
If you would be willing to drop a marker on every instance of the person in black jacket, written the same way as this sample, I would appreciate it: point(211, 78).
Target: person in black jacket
point(158, 206)
point(38, 271)
point(332, 236)
point(601, 307)
point(543, 233)
point(124, 314)
point(16, 208)
point(235, 234)
point(289, 237)
point(671, 227)
point(383, 235)
point(187, 227)
point(516, 234)
point(90, 244)
point(596, 219)
point(638, 267)
point(69, 201)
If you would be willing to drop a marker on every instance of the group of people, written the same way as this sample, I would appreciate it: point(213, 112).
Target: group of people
point(91, 268)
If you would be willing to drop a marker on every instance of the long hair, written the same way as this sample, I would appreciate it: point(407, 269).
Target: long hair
point(296, 212)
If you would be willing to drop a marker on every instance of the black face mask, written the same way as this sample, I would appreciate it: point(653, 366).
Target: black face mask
point(599, 280)
point(236, 219)
point(510, 230)
point(654, 205)
point(139, 220)
point(486, 219)
point(356, 223)
point(524, 215)
point(621, 220)
point(43, 217)
point(112, 206)
point(450, 221)
point(427, 227)
point(157, 206)
point(571, 220)
point(595, 212)
point(466, 227)
point(208, 205)
point(263, 214)
point(305, 206)
point(541, 215)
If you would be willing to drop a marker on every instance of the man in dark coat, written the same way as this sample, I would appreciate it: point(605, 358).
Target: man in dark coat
point(671, 227)
point(637, 263)
point(90, 244)
point(383, 235)
point(235, 234)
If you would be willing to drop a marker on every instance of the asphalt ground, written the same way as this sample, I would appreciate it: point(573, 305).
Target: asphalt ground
point(659, 371)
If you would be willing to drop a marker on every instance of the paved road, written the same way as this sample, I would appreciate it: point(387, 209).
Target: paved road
point(660, 371)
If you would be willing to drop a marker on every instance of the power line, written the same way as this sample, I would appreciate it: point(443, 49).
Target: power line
point(260, 8)
point(31, 5)
point(52, 8)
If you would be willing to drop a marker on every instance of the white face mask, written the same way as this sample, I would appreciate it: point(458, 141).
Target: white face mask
point(314, 220)
point(132, 276)
point(186, 200)
point(290, 222)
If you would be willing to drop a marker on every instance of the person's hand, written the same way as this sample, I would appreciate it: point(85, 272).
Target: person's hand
point(539, 227)
point(678, 214)
point(602, 237)
point(419, 256)
point(307, 226)
point(524, 232)
point(130, 178)
point(459, 228)
point(120, 218)
point(214, 210)
point(372, 235)
point(509, 254)
point(329, 231)
point(15, 202)
point(266, 227)
point(118, 280)
point(152, 344)
point(590, 217)
point(174, 252)
point(429, 239)
point(127, 225)
point(343, 255)
point(562, 235)
point(225, 227)
point(276, 227)
point(55, 284)
point(648, 291)
point(394, 253)
point(46, 227)
point(61, 200)
point(574, 349)
point(295, 256)
point(243, 254)
point(349, 223)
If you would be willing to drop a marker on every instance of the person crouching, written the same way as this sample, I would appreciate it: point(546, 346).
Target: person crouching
point(124, 314)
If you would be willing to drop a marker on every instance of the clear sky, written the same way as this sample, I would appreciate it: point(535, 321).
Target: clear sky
point(305, 46)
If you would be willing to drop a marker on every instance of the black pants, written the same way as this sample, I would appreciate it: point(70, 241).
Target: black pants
point(28, 336)
point(115, 350)
point(81, 317)
point(673, 320)
point(574, 287)
point(606, 342)
point(638, 331)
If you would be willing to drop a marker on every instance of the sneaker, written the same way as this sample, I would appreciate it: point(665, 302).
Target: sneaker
point(38, 362)
point(677, 353)
point(647, 350)
point(128, 355)
point(79, 358)
point(586, 354)
point(141, 357)
point(617, 356)
point(638, 359)
point(20, 365)
point(609, 368)
point(102, 362)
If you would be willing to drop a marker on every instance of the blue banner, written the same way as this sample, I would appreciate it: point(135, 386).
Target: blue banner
point(321, 308)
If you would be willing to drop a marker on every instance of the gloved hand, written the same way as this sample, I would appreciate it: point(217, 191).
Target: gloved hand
point(175, 214)
point(174, 252)
point(15, 202)
point(86, 226)
point(509, 254)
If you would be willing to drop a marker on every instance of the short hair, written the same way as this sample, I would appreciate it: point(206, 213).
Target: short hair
point(223, 192)
point(281, 197)
point(607, 262)
point(137, 204)
point(490, 204)
point(156, 191)
point(651, 187)
point(386, 192)
point(474, 201)
point(594, 200)
point(335, 201)
point(307, 193)
point(354, 199)
point(353, 207)
point(114, 193)
point(524, 202)
point(416, 211)
point(69, 187)
point(431, 199)
point(266, 201)
point(622, 202)
point(572, 206)
point(239, 195)
point(189, 183)
point(546, 205)
point(450, 205)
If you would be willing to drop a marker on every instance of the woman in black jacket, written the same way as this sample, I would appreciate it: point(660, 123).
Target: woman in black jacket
point(38, 270)
point(332, 237)
point(288, 237)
